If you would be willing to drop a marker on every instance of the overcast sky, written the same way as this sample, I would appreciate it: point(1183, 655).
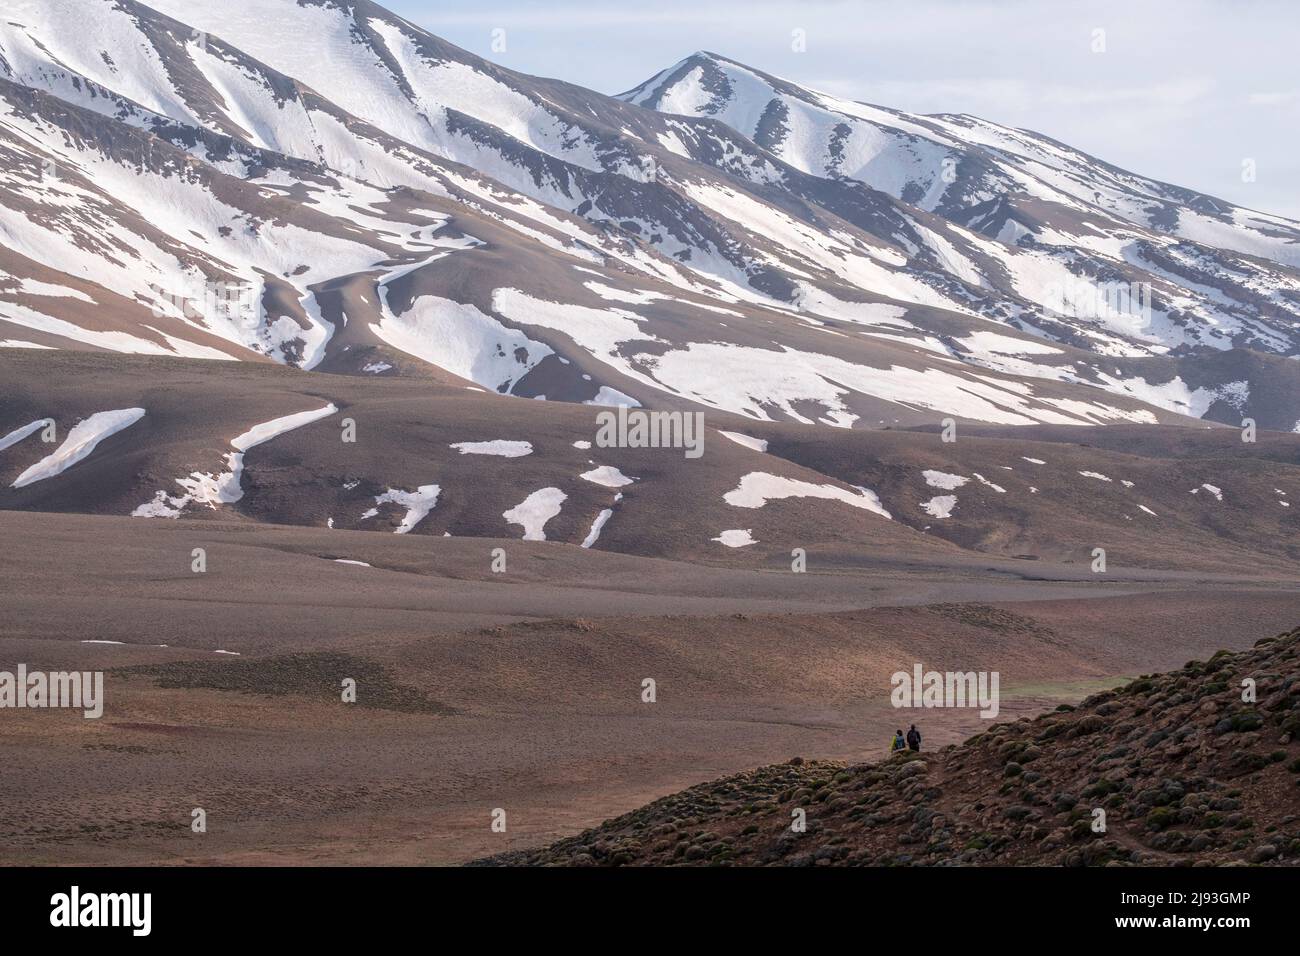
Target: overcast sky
point(1184, 91)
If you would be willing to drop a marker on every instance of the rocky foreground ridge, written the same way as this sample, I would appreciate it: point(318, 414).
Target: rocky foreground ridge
point(1186, 771)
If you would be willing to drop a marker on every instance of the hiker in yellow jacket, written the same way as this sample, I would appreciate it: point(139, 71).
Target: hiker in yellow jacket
point(898, 743)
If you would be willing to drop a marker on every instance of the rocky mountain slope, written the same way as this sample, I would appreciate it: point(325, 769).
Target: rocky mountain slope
point(326, 185)
point(1049, 206)
point(1181, 769)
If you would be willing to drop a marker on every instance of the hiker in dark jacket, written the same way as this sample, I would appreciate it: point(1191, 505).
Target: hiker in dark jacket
point(914, 738)
point(898, 743)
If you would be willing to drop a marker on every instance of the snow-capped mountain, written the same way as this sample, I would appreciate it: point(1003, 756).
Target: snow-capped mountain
point(1222, 276)
point(324, 184)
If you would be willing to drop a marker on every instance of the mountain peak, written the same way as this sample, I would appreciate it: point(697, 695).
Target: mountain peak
point(939, 247)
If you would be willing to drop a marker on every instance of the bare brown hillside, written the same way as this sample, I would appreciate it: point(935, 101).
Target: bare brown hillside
point(1184, 772)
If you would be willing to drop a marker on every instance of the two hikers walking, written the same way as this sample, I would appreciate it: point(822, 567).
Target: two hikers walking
point(912, 741)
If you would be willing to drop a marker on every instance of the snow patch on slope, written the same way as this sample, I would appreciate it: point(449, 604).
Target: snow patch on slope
point(80, 443)
point(534, 511)
point(417, 503)
point(607, 475)
point(749, 441)
point(462, 340)
point(944, 480)
point(211, 489)
point(940, 506)
point(18, 434)
point(498, 447)
point(757, 488)
point(596, 527)
point(736, 538)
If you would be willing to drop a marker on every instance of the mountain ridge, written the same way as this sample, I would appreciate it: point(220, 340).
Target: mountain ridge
point(864, 292)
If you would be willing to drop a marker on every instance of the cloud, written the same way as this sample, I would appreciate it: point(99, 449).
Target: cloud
point(1000, 96)
point(1274, 98)
point(567, 17)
